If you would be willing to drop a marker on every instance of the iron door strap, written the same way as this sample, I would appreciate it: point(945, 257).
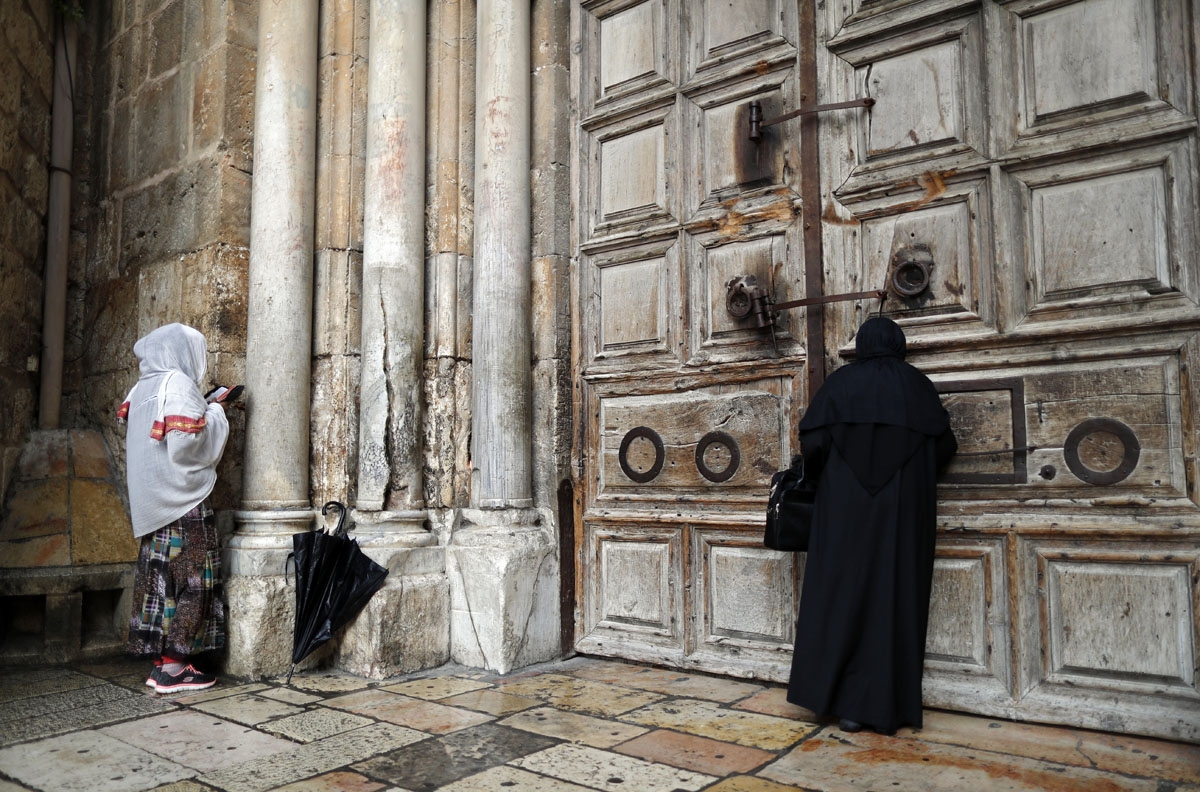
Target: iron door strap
point(757, 123)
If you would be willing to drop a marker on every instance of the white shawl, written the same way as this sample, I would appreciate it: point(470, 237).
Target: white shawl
point(174, 439)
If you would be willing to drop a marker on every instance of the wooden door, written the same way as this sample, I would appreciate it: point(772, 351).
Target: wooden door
point(685, 411)
point(1038, 158)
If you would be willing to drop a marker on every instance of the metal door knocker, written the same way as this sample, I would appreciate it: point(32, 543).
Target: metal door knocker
point(912, 266)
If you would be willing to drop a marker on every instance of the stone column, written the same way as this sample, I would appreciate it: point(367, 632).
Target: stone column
point(501, 442)
point(405, 626)
point(502, 557)
point(278, 340)
point(393, 294)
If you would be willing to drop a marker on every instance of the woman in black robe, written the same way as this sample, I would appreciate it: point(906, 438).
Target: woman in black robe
point(873, 437)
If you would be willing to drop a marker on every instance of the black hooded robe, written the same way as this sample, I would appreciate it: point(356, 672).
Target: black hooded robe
point(874, 437)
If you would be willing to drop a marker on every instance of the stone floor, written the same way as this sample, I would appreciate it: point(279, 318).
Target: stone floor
point(582, 724)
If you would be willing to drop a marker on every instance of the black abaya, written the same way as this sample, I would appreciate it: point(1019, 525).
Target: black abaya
point(864, 607)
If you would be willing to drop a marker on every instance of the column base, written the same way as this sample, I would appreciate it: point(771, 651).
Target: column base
point(503, 571)
point(405, 627)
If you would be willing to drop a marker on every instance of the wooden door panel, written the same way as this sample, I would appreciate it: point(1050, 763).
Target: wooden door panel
point(634, 600)
point(743, 613)
point(1079, 73)
point(1095, 234)
point(968, 647)
point(631, 306)
point(710, 448)
point(627, 53)
point(1112, 621)
point(718, 337)
point(1105, 429)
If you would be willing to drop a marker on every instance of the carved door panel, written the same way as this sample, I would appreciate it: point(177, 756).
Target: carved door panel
point(1037, 161)
point(685, 411)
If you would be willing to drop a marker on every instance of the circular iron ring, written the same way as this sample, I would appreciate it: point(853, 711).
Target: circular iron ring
point(735, 456)
point(1102, 478)
point(660, 454)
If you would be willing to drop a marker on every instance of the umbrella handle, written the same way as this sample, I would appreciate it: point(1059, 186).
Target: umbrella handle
point(340, 530)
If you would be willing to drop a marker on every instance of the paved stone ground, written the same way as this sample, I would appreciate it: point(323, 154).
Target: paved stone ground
point(582, 724)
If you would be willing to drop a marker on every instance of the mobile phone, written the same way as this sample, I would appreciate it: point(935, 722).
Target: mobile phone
point(221, 394)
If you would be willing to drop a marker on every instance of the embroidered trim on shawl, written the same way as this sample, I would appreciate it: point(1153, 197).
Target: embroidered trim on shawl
point(123, 412)
point(177, 423)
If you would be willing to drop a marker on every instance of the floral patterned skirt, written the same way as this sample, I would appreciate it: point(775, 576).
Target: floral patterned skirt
point(178, 607)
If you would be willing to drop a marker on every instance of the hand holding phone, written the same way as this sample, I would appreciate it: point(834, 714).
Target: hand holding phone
point(223, 395)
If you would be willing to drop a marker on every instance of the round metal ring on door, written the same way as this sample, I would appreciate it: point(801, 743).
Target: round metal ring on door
point(735, 456)
point(660, 454)
point(1131, 451)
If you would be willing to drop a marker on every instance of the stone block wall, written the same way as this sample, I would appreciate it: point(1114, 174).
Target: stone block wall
point(27, 63)
point(166, 219)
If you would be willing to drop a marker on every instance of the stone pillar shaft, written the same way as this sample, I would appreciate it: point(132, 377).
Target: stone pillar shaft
point(279, 326)
point(501, 430)
point(393, 295)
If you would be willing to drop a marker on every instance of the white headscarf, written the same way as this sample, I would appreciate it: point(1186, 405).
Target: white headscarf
point(174, 438)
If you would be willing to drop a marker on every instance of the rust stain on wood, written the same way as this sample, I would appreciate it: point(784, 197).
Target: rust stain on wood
point(934, 184)
point(829, 215)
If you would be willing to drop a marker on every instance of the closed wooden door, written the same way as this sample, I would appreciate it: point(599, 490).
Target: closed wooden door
point(1035, 161)
point(686, 410)
point(1025, 187)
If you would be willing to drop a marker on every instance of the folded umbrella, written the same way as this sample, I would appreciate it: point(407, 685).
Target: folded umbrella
point(334, 581)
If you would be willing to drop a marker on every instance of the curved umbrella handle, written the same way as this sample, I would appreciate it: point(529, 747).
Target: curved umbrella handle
point(340, 530)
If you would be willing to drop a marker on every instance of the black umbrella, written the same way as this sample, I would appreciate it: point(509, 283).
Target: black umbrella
point(334, 580)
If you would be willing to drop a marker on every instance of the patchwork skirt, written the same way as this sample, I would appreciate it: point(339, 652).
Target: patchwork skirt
point(178, 607)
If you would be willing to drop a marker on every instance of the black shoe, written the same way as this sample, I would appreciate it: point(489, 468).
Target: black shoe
point(188, 678)
point(847, 725)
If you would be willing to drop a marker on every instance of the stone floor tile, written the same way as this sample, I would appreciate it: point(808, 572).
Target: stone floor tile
point(60, 722)
point(670, 683)
point(247, 708)
point(592, 767)
point(340, 781)
point(580, 695)
point(88, 762)
point(773, 701)
point(492, 702)
point(126, 673)
point(573, 727)
point(306, 761)
point(222, 689)
point(426, 716)
point(436, 688)
point(430, 765)
point(289, 696)
point(690, 752)
point(196, 740)
point(839, 762)
point(315, 724)
point(1116, 753)
point(60, 701)
point(40, 681)
point(319, 682)
point(750, 784)
point(188, 785)
point(706, 719)
point(9, 786)
point(505, 779)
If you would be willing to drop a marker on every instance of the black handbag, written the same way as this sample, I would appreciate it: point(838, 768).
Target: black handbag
point(790, 509)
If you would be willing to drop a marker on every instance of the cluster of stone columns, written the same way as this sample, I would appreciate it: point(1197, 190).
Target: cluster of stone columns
point(476, 600)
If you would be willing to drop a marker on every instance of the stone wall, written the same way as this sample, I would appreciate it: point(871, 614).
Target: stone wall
point(167, 211)
point(27, 63)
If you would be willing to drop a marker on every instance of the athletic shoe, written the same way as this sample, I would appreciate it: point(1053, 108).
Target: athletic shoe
point(188, 678)
point(152, 680)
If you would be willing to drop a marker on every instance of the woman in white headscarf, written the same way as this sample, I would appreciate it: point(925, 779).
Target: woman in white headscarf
point(173, 442)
